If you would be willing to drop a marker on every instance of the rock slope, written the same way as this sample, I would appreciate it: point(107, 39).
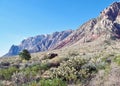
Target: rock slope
point(39, 43)
point(106, 27)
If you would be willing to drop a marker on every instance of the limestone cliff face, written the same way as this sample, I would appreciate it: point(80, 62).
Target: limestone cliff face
point(39, 43)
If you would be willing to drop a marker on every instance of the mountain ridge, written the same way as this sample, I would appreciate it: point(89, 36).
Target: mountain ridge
point(106, 26)
point(39, 43)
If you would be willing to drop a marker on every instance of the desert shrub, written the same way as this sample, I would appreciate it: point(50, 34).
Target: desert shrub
point(45, 56)
point(107, 42)
point(73, 53)
point(44, 67)
point(25, 55)
point(117, 59)
point(101, 62)
point(6, 74)
point(101, 65)
point(22, 77)
point(74, 69)
point(113, 37)
point(37, 67)
point(53, 82)
point(29, 74)
point(47, 82)
point(33, 83)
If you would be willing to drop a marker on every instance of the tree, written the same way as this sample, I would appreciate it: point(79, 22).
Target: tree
point(25, 54)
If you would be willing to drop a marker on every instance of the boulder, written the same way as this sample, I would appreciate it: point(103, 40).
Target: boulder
point(52, 55)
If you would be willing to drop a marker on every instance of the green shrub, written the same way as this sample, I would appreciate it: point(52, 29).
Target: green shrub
point(44, 66)
point(29, 74)
point(53, 82)
point(47, 82)
point(33, 83)
point(5, 74)
point(25, 55)
point(23, 77)
point(35, 69)
point(117, 59)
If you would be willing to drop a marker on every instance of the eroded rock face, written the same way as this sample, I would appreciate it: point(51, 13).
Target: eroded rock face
point(39, 43)
point(106, 26)
point(111, 12)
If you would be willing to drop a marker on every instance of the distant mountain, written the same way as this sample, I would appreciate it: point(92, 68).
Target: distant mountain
point(39, 43)
point(105, 27)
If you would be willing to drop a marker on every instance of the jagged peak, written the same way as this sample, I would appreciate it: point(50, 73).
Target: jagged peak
point(111, 12)
point(115, 4)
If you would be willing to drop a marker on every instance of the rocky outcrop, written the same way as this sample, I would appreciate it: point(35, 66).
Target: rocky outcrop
point(13, 50)
point(39, 43)
point(111, 12)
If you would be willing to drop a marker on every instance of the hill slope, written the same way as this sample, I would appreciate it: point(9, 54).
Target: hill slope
point(89, 56)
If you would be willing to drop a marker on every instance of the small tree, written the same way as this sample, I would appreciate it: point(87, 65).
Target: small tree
point(25, 54)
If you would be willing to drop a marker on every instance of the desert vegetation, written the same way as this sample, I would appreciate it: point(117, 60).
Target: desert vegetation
point(70, 69)
point(25, 55)
point(88, 56)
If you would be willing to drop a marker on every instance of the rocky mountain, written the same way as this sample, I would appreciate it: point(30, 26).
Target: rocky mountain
point(39, 43)
point(105, 27)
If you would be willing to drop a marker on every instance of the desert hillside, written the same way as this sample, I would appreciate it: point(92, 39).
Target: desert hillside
point(88, 56)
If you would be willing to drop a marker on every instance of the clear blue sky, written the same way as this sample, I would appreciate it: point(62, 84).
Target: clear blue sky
point(20, 19)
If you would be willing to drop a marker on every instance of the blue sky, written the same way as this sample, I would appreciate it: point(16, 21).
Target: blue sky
point(20, 19)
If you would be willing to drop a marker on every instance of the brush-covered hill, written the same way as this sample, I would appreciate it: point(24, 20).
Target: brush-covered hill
point(88, 56)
